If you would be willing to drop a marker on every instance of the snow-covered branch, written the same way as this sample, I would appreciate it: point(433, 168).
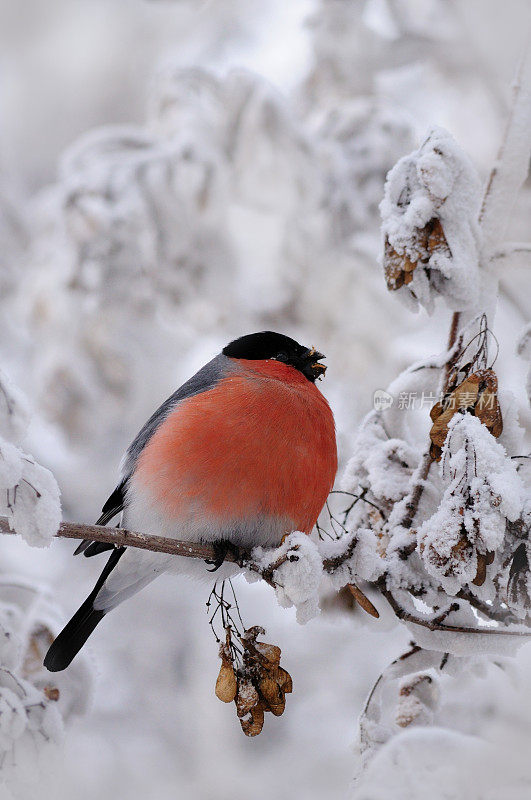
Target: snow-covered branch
point(512, 165)
point(295, 570)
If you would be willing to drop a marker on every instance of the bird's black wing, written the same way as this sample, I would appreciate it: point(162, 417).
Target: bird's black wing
point(112, 507)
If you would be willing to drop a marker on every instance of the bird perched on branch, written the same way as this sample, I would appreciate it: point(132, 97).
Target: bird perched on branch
point(242, 454)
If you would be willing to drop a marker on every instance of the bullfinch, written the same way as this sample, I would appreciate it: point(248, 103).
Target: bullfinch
point(242, 454)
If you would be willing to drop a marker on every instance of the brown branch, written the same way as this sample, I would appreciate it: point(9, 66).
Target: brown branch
point(119, 537)
point(412, 504)
point(452, 339)
point(123, 538)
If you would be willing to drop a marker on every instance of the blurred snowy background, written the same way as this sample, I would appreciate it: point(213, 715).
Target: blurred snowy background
point(173, 175)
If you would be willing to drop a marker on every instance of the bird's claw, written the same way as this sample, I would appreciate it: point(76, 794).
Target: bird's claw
point(221, 549)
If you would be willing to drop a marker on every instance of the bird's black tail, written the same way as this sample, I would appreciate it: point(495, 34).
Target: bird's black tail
point(76, 632)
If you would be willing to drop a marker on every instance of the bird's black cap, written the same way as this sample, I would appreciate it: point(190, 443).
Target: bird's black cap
point(276, 346)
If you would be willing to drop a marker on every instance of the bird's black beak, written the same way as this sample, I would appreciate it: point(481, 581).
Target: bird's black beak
point(313, 368)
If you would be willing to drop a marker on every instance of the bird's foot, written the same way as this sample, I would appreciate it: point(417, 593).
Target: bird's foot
point(221, 549)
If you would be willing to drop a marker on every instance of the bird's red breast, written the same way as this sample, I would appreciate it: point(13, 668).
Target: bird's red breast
point(260, 442)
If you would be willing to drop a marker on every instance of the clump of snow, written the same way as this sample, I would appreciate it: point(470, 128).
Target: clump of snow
point(297, 578)
point(34, 509)
point(364, 564)
point(29, 495)
point(378, 478)
point(428, 762)
point(435, 182)
point(482, 491)
point(14, 413)
point(380, 463)
point(469, 645)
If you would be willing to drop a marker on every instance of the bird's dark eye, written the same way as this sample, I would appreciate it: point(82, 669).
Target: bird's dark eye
point(281, 356)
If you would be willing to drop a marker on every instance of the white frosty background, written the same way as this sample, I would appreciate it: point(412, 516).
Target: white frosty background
point(231, 202)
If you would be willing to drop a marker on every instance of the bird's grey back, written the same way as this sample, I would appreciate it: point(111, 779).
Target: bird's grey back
point(207, 377)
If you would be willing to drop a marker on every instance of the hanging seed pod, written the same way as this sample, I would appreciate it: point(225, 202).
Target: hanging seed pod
point(255, 681)
point(487, 408)
point(398, 269)
point(284, 680)
point(426, 241)
point(462, 398)
point(362, 600)
point(481, 573)
point(436, 238)
point(246, 698)
point(273, 696)
point(269, 651)
point(253, 722)
point(226, 684)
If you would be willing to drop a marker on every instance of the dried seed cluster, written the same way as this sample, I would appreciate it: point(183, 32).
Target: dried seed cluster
point(256, 682)
point(478, 395)
point(399, 267)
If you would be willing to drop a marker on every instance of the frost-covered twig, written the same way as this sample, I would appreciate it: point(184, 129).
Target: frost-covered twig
point(437, 624)
point(412, 502)
point(511, 248)
point(376, 723)
point(512, 165)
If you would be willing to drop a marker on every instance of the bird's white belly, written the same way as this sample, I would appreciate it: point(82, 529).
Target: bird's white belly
point(144, 514)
